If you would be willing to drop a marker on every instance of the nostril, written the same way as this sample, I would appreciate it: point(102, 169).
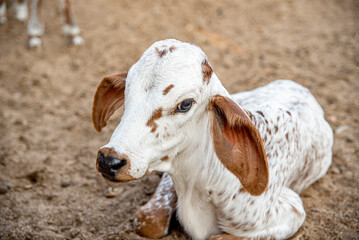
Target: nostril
point(118, 163)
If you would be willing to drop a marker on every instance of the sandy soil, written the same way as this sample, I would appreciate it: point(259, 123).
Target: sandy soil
point(49, 188)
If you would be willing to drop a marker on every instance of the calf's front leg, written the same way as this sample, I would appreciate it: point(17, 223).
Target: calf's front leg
point(153, 219)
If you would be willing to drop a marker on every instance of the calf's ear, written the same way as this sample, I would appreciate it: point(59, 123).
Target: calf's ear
point(238, 144)
point(109, 96)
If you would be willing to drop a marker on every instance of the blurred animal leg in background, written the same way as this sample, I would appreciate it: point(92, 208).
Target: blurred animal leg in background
point(21, 10)
point(20, 7)
point(35, 27)
point(71, 30)
point(3, 18)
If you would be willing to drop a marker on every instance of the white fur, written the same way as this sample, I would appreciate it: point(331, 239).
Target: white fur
point(209, 201)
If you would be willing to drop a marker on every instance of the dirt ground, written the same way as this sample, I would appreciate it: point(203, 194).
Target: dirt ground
point(49, 187)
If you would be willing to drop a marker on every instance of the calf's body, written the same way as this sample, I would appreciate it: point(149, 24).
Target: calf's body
point(235, 163)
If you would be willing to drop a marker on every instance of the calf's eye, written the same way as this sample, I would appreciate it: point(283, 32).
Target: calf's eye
point(185, 105)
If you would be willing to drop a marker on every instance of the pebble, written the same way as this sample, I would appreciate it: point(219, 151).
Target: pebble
point(341, 129)
point(3, 189)
point(113, 192)
point(335, 170)
point(65, 184)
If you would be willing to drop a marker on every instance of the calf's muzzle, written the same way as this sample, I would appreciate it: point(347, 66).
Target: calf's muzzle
point(113, 166)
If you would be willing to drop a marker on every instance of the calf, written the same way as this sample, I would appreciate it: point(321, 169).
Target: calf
point(235, 163)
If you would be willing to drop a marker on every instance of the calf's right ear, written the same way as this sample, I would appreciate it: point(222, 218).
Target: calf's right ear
point(109, 96)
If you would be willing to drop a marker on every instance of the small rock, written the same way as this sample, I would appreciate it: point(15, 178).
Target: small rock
point(65, 184)
point(342, 169)
point(21, 121)
point(3, 189)
point(341, 129)
point(113, 192)
point(29, 186)
point(335, 170)
point(307, 194)
point(74, 232)
point(332, 119)
point(349, 139)
point(9, 185)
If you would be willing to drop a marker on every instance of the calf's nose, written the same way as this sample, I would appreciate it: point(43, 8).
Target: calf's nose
point(109, 163)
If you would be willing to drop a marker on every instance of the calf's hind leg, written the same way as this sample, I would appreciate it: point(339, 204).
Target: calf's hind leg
point(152, 220)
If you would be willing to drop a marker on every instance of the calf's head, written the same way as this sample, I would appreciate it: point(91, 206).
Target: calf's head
point(171, 97)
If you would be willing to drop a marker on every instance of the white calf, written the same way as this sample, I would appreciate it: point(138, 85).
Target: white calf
point(237, 161)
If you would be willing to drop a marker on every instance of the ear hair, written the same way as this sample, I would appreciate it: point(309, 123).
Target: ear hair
point(109, 96)
point(238, 144)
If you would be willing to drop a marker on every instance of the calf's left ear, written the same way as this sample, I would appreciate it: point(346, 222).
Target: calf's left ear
point(238, 144)
point(109, 96)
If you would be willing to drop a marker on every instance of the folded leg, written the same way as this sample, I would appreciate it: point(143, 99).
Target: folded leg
point(152, 220)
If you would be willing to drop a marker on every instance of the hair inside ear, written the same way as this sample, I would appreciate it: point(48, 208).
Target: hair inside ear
point(238, 144)
point(109, 96)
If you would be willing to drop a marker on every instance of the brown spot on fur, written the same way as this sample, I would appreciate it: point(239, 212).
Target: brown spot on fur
point(275, 128)
point(260, 113)
point(210, 192)
point(172, 48)
point(295, 210)
point(287, 136)
point(161, 53)
point(157, 135)
point(234, 196)
point(242, 190)
point(164, 158)
point(268, 213)
point(167, 89)
point(289, 113)
point(220, 193)
point(269, 131)
point(157, 114)
point(207, 71)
